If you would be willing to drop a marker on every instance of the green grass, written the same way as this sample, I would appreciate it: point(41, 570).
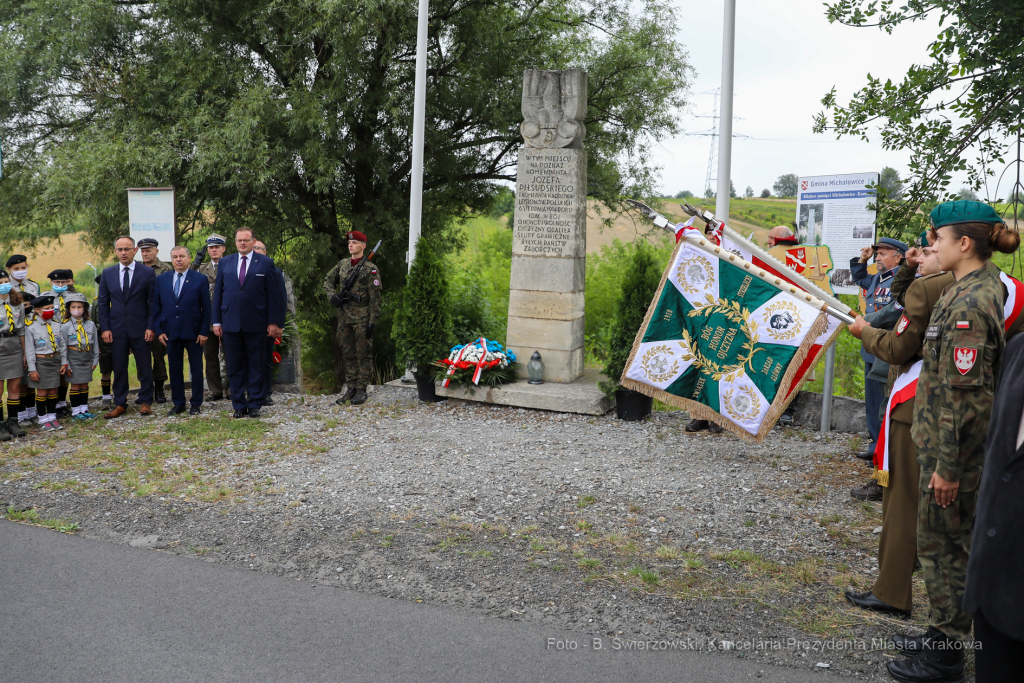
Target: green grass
point(32, 517)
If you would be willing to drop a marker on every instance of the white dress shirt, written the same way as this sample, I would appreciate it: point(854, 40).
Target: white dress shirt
point(120, 274)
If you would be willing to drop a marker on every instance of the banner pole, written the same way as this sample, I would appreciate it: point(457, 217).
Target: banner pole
point(826, 389)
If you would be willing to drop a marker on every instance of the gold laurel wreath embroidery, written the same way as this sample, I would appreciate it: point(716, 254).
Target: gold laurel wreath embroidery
point(784, 335)
point(650, 355)
point(739, 315)
point(705, 265)
point(755, 403)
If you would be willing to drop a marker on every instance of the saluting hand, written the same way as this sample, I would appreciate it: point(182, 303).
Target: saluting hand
point(865, 254)
point(914, 255)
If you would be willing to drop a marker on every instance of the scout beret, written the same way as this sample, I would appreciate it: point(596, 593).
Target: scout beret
point(42, 300)
point(357, 236)
point(61, 274)
point(72, 297)
point(963, 211)
point(147, 242)
point(215, 240)
point(890, 243)
point(16, 259)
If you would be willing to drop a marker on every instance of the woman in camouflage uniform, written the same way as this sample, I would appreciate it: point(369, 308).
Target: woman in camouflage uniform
point(963, 345)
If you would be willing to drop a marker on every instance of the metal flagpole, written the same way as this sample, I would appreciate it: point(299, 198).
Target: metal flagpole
point(418, 123)
point(419, 116)
point(725, 130)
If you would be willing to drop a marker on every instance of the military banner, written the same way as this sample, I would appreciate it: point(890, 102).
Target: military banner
point(724, 339)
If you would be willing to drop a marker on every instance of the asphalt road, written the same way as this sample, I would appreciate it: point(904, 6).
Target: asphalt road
point(76, 609)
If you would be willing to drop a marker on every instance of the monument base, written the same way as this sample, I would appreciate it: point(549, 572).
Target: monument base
point(582, 396)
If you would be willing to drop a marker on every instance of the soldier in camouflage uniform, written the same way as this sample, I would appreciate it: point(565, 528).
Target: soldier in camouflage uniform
point(149, 248)
point(963, 345)
point(356, 319)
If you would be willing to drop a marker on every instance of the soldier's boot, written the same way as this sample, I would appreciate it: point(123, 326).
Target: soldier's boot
point(941, 661)
point(4, 434)
point(14, 428)
point(869, 491)
point(346, 397)
point(911, 645)
point(359, 398)
point(158, 393)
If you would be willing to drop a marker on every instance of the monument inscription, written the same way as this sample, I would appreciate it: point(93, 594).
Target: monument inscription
point(549, 202)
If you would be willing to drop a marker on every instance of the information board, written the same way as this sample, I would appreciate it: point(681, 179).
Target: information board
point(151, 214)
point(832, 210)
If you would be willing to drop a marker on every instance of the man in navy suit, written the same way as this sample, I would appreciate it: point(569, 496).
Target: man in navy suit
point(123, 302)
point(248, 307)
point(180, 313)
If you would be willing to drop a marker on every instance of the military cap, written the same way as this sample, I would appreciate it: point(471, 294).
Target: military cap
point(72, 297)
point(963, 211)
point(890, 243)
point(42, 300)
point(147, 242)
point(357, 236)
point(15, 259)
point(61, 274)
point(215, 240)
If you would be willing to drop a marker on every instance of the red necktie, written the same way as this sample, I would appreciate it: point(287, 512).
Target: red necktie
point(241, 273)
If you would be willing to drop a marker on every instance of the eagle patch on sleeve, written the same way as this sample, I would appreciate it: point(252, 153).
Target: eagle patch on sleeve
point(902, 325)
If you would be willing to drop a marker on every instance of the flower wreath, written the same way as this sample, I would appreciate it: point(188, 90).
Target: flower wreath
point(481, 360)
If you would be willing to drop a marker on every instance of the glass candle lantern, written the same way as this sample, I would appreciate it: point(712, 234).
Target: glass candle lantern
point(535, 369)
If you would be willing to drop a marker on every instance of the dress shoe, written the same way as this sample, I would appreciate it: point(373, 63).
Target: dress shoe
point(216, 397)
point(4, 434)
point(118, 411)
point(144, 409)
point(159, 395)
point(254, 413)
point(701, 425)
point(359, 398)
point(941, 661)
point(868, 454)
point(869, 491)
point(63, 412)
point(910, 645)
point(268, 402)
point(14, 428)
point(239, 413)
point(869, 601)
point(176, 410)
point(346, 397)
point(194, 410)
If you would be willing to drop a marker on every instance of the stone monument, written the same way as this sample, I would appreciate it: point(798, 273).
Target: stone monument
point(549, 239)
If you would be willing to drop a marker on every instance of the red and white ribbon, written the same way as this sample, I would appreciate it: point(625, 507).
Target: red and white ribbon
point(1014, 299)
point(480, 363)
point(903, 389)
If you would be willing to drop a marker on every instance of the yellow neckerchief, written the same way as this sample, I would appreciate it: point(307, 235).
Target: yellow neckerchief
point(63, 309)
point(82, 335)
point(53, 342)
point(10, 314)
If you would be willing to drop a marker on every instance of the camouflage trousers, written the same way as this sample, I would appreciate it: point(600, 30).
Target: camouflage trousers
point(357, 351)
point(943, 548)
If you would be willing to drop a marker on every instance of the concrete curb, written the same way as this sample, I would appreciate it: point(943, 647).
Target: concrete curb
point(848, 414)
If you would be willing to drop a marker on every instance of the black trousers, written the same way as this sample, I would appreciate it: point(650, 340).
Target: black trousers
point(245, 354)
point(142, 350)
point(176, 350)
point(1000, 659)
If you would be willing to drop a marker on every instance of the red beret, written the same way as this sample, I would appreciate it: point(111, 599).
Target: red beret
point(358, 236)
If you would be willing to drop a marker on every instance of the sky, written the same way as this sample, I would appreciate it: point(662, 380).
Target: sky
point(787, 58)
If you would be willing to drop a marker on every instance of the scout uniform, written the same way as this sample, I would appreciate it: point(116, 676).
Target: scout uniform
point(896, 463)
point(356, 320)
point(211, 349)
point(46, 354)
point(61, 315)
point(12, 329)
point(80, 337)
point(29, 289)
point(159, 350)
point(876, 289)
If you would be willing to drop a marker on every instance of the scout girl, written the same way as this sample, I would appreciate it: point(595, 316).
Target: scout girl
point(12, 355)
point(81, 337)
point(47, 359)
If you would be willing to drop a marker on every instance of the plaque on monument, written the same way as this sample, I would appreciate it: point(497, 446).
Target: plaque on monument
point(549, 243)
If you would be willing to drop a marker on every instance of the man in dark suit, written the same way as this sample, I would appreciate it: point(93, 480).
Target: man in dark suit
point(123, 301)
point(993, 593)
point(180, 313)
point(248, 307)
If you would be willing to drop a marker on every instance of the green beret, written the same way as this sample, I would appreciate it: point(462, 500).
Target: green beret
point(963, 211)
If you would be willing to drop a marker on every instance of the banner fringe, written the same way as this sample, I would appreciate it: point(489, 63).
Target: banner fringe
point(882, 477)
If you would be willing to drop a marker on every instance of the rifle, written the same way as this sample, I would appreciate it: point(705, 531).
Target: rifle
point(346, 296)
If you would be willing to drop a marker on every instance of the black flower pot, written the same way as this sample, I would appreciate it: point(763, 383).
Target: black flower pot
point(425, 389)
point(632, 405)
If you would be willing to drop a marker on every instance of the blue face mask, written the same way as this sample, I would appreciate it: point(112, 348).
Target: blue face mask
point(5, 288)
point(60, 290)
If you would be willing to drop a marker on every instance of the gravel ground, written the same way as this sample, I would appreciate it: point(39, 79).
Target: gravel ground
point(635, 531)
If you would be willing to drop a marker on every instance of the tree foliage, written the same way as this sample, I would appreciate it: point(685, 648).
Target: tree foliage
point(423, 330)
point(638, 289)
point(968, 96)
point(786, 185)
